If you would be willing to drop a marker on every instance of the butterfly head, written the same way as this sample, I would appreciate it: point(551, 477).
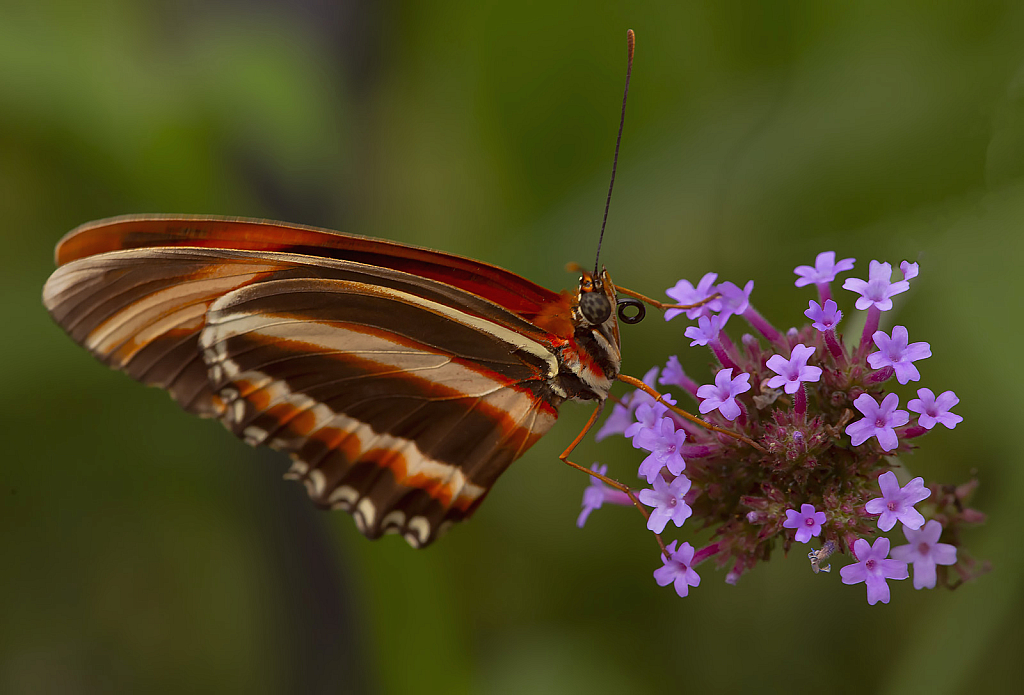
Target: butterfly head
point(595, 297)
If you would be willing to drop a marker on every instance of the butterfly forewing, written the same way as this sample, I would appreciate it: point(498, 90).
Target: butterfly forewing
point(141, 312)
point(506, 289)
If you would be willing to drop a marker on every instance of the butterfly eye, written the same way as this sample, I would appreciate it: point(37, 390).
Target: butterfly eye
point(595, 307)
point(629, 303)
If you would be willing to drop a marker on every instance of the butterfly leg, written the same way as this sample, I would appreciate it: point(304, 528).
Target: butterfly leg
point(564, 458)
point(633, 381)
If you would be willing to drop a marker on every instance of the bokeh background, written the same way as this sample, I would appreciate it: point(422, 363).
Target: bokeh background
point(143, 550)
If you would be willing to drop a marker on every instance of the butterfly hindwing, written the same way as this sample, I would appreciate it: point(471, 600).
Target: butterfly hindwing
point(397, 408)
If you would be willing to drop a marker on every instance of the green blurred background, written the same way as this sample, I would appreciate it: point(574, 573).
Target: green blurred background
point(144, 550)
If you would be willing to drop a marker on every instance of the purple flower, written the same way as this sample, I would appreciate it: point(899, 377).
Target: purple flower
point(597, 493)
point(873, 569)
point(925, 552)
point(734, 300)
point(673, 374)
point(677, 569)
point(878, 290)
point(667, 500)
point(706, 331)
point(621, 416)
point(794, 370)
point(648, 415)
point(663, 442)
point(825, 269)
point(771, 453)
point(807, 522)
point(685, 293)
point(722, 395)
point(897, 503)
point(934, 410)
point(896, 353)
point(879, 421)
point(825, 318)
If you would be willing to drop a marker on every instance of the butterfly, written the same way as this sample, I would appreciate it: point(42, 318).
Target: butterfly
point(400, 380)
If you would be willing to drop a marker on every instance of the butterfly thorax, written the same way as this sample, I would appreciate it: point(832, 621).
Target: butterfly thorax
point(590, 360)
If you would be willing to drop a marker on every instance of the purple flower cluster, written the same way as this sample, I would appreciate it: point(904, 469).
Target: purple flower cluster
point(798, 440)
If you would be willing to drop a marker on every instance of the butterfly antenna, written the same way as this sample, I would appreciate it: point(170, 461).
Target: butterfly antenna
point(630, 45)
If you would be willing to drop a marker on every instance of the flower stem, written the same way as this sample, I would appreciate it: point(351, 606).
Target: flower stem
point(911, 432)
point(722, 354)
point(880, 376)
point(824, 292)
point(697, 451)
point(870, 326)
point(704, 553)
point(835, 347)
point(614, 496)
point(760, 323)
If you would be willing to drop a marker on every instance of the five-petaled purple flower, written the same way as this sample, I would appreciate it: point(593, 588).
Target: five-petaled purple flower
point(873, 569)
point(667, 500)
point(807, 522)
point(825, 269)
point(880, 420)
point(597, 493)
point(706, 330)
point(648, 415)
point(663, 441)
point(878, 290)
point(897, 503)
point(722, 394)
point(895, 352)
point(735, 299)
point(925, 551)
point(932, 411)
point(794, 370)
point(826, 317)
point(685, 293)
point(677, 569)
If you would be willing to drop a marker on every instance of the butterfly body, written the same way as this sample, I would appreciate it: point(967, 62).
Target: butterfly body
point(401, 381)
